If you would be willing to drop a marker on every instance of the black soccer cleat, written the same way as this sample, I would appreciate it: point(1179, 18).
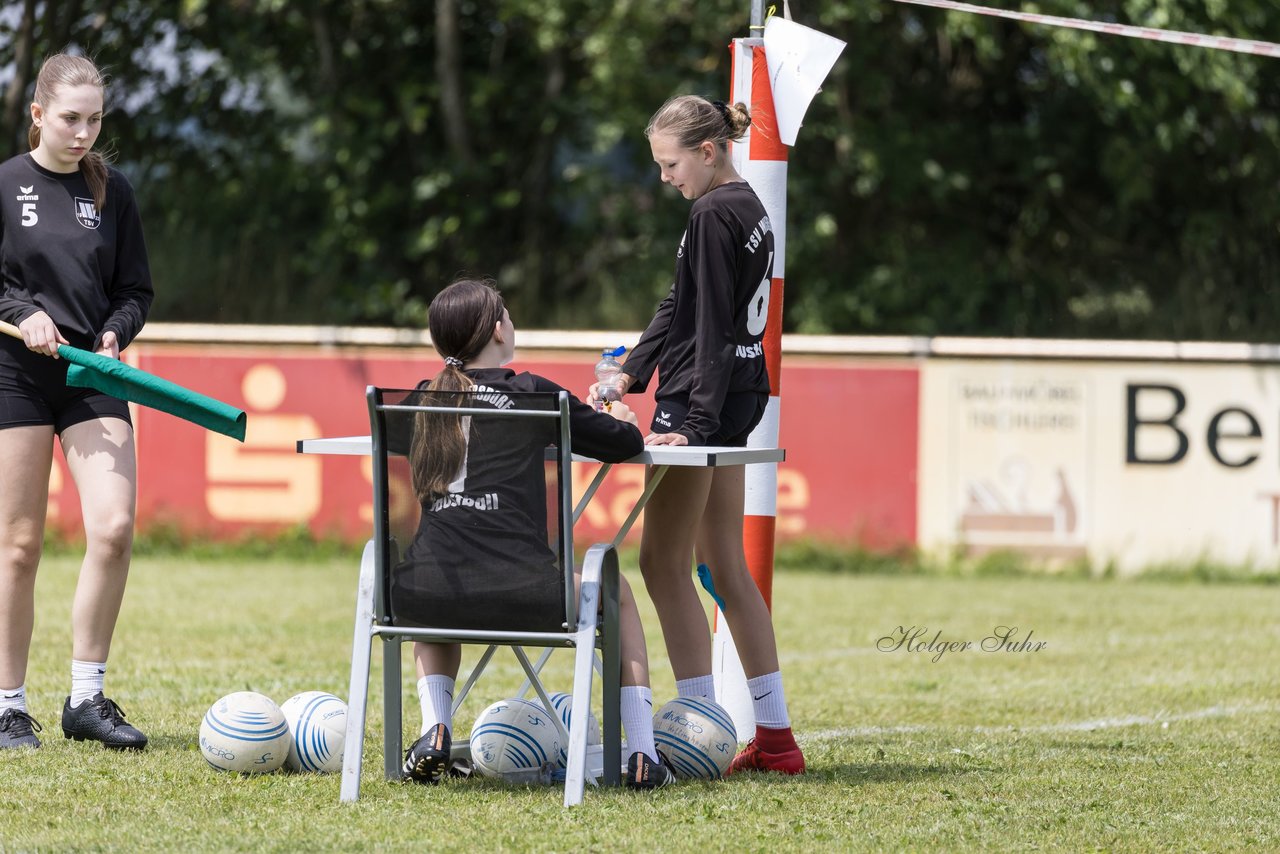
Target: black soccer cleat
point(428, 758)
point(100, 719)
point(643, 773)
point(18, 729)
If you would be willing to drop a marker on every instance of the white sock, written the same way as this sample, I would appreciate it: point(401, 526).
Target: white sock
point(637, 719)
point(435, 695)
point(86, 680)
point(698, 687)
point(768, 702)
point(14, 698)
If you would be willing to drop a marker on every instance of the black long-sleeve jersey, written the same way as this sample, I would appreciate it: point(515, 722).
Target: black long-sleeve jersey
point(705, 339)
point(481, 553)
point(87, 269)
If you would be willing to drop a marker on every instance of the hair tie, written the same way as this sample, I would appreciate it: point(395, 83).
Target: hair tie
point(453, 362)
point(723, 108)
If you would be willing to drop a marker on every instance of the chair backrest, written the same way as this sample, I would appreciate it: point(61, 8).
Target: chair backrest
point(494, 549)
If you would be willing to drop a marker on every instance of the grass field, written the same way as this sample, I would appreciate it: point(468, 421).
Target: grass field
point(1146, 722)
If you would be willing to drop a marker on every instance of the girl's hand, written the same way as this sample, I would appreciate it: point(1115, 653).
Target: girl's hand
point(666, 439)
point(625, 381)
point(108, 345)
point(622, 412)
point(41, 335)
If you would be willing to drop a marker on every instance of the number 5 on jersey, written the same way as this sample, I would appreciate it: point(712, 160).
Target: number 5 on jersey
point(29, 216)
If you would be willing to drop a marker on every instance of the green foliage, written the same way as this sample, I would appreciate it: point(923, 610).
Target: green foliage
point(821, 556)
point(842, 559)
point(166, 541)
point(1026, 180)
point(338, 161)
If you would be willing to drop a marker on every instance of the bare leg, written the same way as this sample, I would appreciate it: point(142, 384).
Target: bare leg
point(100, 455)
point(720, 548)
point(26, 455)
point(437, 659)
point(666, 562)
point(635, 656)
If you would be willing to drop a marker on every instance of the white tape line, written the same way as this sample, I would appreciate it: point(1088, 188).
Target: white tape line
point(1076, 726)
point(1148, 33)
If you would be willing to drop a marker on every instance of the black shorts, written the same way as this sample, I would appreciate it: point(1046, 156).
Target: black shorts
point(739, 415)
point(34, 390)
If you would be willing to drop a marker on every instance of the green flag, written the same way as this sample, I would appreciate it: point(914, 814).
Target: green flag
point(113, 377)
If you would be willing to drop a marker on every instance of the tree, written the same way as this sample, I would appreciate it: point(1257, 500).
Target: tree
point(337, 162)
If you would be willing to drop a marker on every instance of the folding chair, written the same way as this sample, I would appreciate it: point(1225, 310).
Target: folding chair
point(585, 622)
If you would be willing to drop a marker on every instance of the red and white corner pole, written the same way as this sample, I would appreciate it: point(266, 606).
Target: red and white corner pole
point(761, 158)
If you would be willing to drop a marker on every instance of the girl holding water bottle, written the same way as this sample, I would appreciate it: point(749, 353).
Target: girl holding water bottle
point(705, 342)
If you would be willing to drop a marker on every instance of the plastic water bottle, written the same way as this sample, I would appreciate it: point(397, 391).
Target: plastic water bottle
point(607, 371)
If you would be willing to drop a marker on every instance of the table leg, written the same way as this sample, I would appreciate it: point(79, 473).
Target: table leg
point(591, 491)
point(658, 473)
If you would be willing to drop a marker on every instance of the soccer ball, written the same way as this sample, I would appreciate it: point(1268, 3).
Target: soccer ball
point(245, 733)
point(697, 736)
point(514, 740)
point(563, 705)
point(318, 724)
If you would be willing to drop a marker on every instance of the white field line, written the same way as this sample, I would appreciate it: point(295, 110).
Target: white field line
point(1071, 726)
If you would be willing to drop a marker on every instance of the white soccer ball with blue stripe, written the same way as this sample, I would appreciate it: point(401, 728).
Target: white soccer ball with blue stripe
point(514, 740)
point(245, 733)
point(697, 737)
point(563, 704)
point(318, 724)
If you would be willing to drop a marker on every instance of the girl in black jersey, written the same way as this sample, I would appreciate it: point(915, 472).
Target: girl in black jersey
point(465, 542)
point(705, 343)
point(73, 270)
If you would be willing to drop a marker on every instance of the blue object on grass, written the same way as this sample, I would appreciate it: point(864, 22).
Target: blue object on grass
point(704, 575)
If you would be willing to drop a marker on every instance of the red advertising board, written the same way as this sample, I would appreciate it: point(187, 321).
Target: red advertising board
point(849, 428)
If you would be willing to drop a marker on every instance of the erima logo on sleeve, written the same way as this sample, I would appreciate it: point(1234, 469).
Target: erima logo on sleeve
point(87, 213)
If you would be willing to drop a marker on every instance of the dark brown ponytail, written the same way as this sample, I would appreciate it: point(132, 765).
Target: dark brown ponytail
point(461, 320)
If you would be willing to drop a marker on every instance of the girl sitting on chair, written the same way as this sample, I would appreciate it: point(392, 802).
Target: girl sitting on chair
point(499, 546)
